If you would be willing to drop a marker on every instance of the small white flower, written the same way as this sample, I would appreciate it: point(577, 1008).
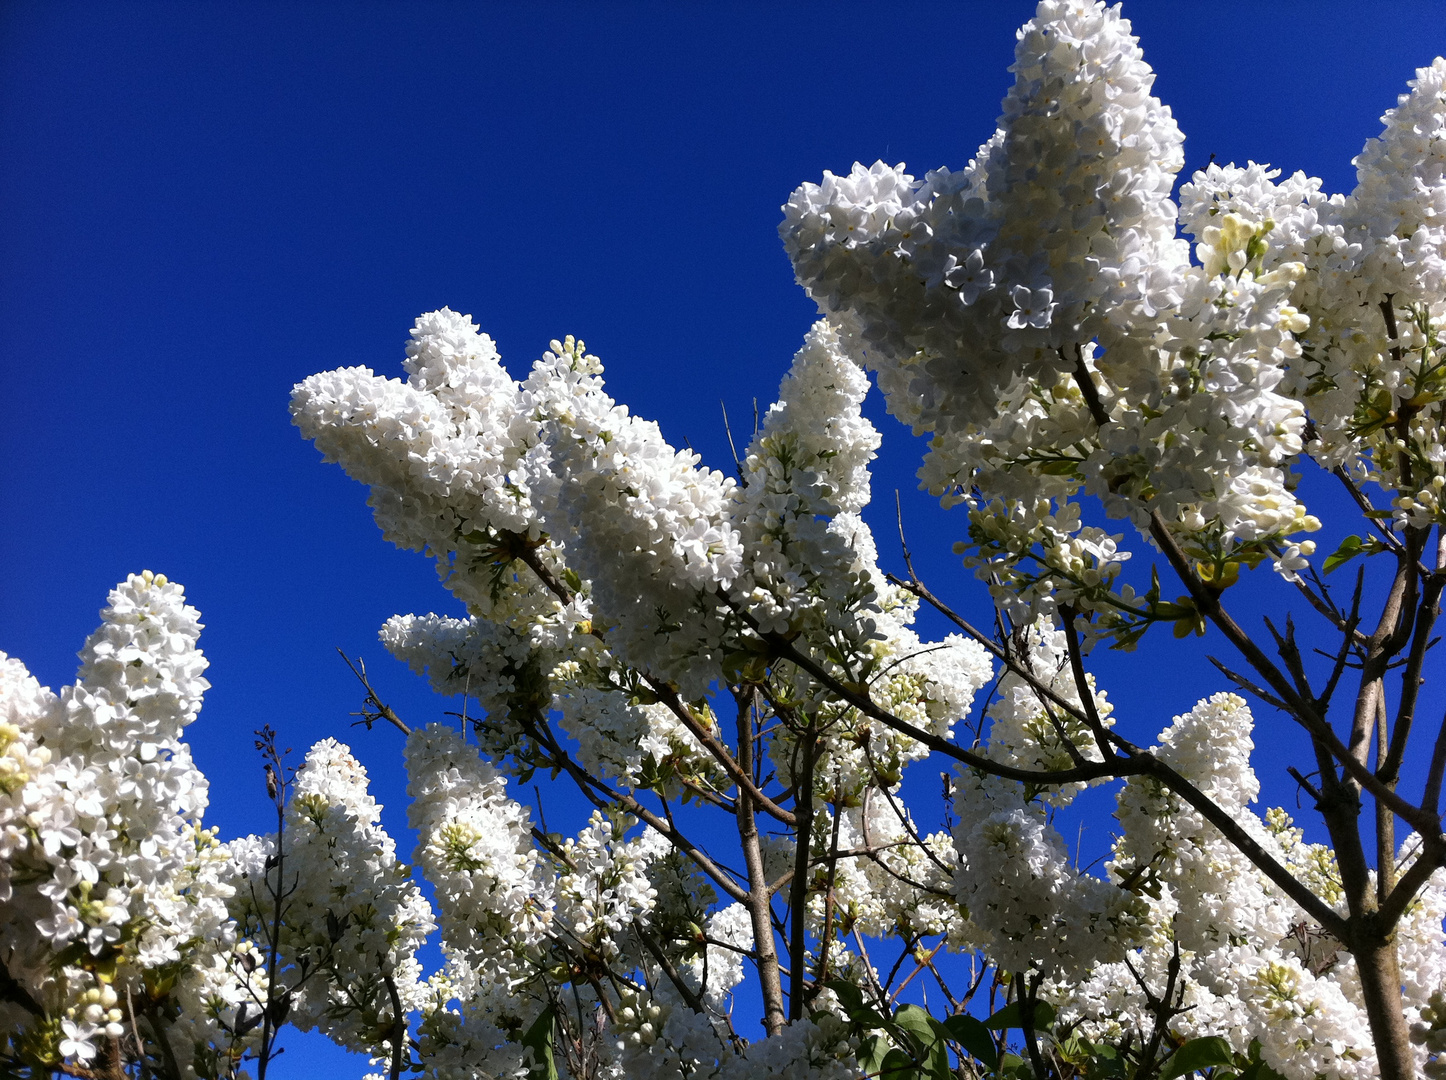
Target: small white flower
point(1032, 307)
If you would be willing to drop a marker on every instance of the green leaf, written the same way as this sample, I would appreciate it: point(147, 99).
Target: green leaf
point(1198, 1054)
point(918, 1023)
point(1065, 467)
point(1011, 1017)
point(1250, 556)
point(871, 1053)
point(1007, 1017)
point(929, 1034)
point(1106, 1062)
point(1349, 549)
point(1182, 608)
point(897, 1065)
point(1043, 1016)
point(538, 1038)
point(852, 999)
point(848, 994)
point(1259, 1070)
point(970, 1033)
point(734, 663)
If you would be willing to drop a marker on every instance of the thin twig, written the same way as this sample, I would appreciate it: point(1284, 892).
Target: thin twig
point(1082, 685)
point(1304, 713)
point(379, 709)
point(399, 1028)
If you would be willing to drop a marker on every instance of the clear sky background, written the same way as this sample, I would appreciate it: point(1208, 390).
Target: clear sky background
point(203, 203)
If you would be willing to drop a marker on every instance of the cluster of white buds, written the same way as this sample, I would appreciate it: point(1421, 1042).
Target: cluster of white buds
point(108, 879)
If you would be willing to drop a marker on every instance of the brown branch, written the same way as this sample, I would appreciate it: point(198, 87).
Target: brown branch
point(1303, 712)
point(1431, 796)
point(948, 871)
point(1324, 606)
point(399, 1028)
point(919, 589)
point(944, 986)
point(1094, 771)
point(1385, 820)
point(1390, 539)
point(825, 938)
point(1341, 807)
point(1243, 842)
point(1087, 388)
point(1137, 763)
point(1349, 639)
point(597, 793)
point(80, 1072)
point(379, 709)
point(919, 965)
point(1389, 769)
point(276, 787)
point(1310, 788)
point(1288, 650)
point(1028, 999)
point(1431, 858)
point(1248, 686)
point(708, 795)
point(880, 996)
point(168, 1053)
point(136, 1034)
point(692, 1000)
point(1389, 637)
point(720, 753)
point(1082, 685)
point(1161, 1010)
point(527, 553)
point(759, 898)
point(798, 888)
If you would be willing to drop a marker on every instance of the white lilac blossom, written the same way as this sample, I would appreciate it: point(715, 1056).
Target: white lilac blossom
point(351, 918)
point(808, 463)
point(446, 455)
point(1034, 910)
point(1251, 969)
point(494, 898)
point(1031, 731)
point(1080, 347)
point(1059, 230)
point(620, 505)
point(674, 576)
point(906, 891)
point(1038, 317)
point(1372, 374)
point(109, 879)
point(641, 522)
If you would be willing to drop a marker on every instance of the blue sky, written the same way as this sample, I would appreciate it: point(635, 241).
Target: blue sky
point(201, 204)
